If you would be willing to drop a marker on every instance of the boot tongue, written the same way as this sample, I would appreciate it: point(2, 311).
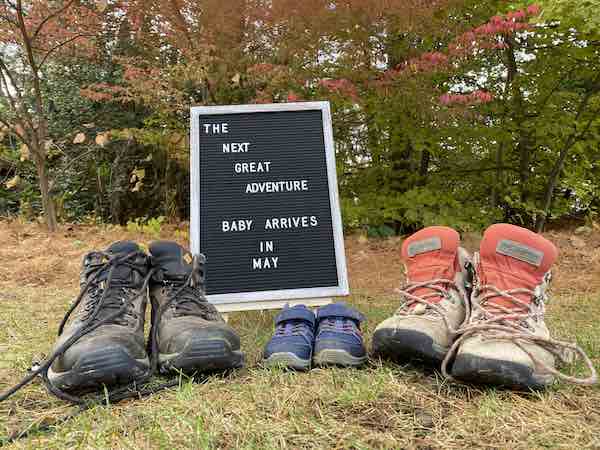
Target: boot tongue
point(94, 260)
point(122, 272)
point(122, 247)
point(172, 259)
point(429, 254)
point(512, 257)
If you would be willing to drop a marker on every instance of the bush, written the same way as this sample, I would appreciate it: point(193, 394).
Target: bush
point(147, 225)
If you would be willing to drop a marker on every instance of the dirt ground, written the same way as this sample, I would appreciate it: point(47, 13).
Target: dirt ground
point(381, 406)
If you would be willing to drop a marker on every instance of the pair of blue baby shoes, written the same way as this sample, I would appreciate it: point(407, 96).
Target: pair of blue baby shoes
point(331, 336)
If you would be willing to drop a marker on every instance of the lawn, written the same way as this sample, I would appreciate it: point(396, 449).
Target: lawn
point(383, 405)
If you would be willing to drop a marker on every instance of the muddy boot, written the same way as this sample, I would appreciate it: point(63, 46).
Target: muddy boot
point(506, 341)
point(190, 333)
point(435, 298)
point(115, 351)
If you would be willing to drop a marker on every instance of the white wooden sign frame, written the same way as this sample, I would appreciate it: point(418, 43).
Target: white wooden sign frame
point(272, 299)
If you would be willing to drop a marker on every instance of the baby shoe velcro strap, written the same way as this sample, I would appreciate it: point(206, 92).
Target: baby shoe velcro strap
point(295, 314)
point(339, 310)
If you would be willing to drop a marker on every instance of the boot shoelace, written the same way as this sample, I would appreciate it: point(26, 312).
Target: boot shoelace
point(190, 301)
point(113, 300)
point(342, 324)
point(114, 294)
point(185, 297)
point(291, 328)
point(96, 304)
point(494, 321)
point(437, 285)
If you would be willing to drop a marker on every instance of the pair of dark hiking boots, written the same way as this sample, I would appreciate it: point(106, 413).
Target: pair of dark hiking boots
point(104, 343)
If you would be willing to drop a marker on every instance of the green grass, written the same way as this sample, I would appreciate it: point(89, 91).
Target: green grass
point(383, 405)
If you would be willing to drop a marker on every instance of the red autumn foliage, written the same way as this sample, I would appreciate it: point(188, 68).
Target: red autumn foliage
point(260, 69)
point(101, 92)
point(267, 47)
point(257, 43)
point(486, 36)
point(342, 86)
point(262, 97)
point(52, 28)
point(475, 97)
point(490, 35)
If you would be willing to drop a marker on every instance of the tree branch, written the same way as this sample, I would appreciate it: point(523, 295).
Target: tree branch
point(57, 46)
point(7, 161)
point(543, 103)
point(181, 22)
point(11, 4)
point(479, 169)
point(9, 20)
point(20, 107)
point(7, 125)
point(77, 158)
point(50, 17)
point(25, 35)
point(40, 131)
point(5, 88)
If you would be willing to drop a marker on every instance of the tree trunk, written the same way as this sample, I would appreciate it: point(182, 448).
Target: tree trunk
point(555, 175)
point(497, 184)
point(424, 167)
point(524, 169)
point(47, 200)
point(560, 162)
point(403, 168)
point(519, 117)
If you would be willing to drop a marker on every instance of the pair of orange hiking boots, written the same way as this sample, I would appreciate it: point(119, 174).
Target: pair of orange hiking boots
point(480, 317)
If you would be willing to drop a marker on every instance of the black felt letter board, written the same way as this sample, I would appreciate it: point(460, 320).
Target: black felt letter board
point(265, 211)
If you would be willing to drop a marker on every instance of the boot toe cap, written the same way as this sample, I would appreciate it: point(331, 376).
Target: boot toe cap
point(503, 362)
point(297, 346)
point(98, 343)
point(420, 336)
point(338, 341)
point(179, 336)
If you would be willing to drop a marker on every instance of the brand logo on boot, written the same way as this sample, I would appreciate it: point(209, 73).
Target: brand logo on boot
point(520, 251)
point(424, 246)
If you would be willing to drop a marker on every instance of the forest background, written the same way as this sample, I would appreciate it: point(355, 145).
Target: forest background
point(451, 112)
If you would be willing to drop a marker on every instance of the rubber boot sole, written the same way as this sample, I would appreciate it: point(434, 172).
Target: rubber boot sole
point(202, 355)
point(287, 360)
point(509, 374)
point(338, 357)
point(109, 366)
point(403, 345)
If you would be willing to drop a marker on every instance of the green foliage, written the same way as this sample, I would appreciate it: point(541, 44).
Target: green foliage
point(389, 213)
point(9, 197)
point(382, 231)
point(146, 225)
point(582, 15)
point(19, 197)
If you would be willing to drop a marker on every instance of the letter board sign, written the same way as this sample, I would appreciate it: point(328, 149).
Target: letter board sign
point(264, 204)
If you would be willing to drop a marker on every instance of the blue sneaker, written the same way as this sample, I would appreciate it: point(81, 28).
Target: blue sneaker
point(339, 339)
point(292, 344)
